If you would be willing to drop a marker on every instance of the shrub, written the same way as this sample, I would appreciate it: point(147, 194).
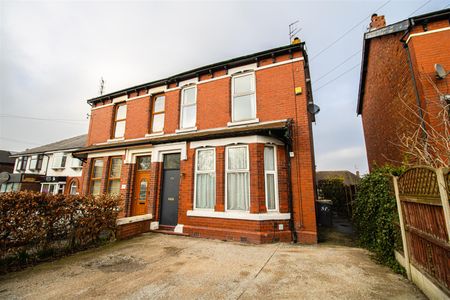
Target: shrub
point(375, 214)
point(334, 189)
point(35, 226)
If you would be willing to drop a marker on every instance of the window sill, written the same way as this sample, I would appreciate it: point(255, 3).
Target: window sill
point(58, 168)
point(238, 215)
point(115, 140)
point(230, 124)
point(76, 168)
point(154, 134)
point(182, 130)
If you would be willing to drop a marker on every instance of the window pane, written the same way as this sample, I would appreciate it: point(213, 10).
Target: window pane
point(243, 108)
point(120, 129)
point(95, 187)
point(159, 104)
point(270, 189)
point(76, 162)
point(121, 112)
point(143, 190)
point(98, 168)
point(205, 191)
point(73, 188)
point(269, 159)
point(243, 84)
point(237, 191)
point(205, 160)
point(237, 158)
point(57, 160)
point(158, 123)
point(188, 114)
point(116, 166)
point(189, 96)
point(144, 163)
point(33, 162)
point(114, 187)
point(172, 161)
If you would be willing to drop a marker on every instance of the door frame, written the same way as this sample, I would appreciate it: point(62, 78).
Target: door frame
point(161, 181)
point(133, 183)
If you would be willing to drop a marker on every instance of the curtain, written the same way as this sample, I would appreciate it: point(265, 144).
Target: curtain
point(270, 182)
point(238, 191)
point(206, 190)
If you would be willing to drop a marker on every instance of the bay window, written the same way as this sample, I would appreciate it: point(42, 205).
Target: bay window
point(243, 97)
point(188, 107)
point(120, 120)
point(270, 177)
point(115, 168)
point(158, 112)
point(96, 176)
point(205, 179)
point(237, 180)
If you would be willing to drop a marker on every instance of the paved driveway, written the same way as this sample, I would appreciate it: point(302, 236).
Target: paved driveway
point(162, 266)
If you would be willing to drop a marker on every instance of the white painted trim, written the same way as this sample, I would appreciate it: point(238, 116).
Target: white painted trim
point(131, 154)
point(120, 99)
point(103, 106)
point(238, 215)
point(426, 32)
point(196, 172)
point(134, 219)
point(138, 97)
point(249, 67)
point(280, 63)
point(213, 79)
point(251, 139)
point(154, 134)
point(183, 130)
point(178, 228)
point(154, 225)
point(157, 90)
point(106, 153)
point(161, 149)
point(246, 170)
point(115, 140)
point(184, 83)
point(275, 175)
point(238, 123)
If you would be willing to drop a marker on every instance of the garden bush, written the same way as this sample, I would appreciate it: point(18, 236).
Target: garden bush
point(36, 226)
point(375, 215)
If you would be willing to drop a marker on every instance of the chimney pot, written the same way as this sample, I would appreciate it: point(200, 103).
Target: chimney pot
point(376, 22)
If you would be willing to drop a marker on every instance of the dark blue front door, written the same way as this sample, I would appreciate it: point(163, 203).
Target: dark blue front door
point(170, 189)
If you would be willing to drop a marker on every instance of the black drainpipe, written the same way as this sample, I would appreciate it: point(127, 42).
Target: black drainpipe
point(416, 91)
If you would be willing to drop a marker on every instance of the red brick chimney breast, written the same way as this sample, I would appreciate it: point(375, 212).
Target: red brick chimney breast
point(377, 22)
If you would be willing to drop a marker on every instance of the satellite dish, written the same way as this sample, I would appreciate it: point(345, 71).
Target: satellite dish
point(313, 108)
point(440, 71)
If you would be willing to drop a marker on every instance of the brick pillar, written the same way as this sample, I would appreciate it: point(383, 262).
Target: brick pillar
point(220, 179)
point(257, 195)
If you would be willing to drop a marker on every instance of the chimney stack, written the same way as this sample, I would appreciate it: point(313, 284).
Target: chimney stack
point(377, 22)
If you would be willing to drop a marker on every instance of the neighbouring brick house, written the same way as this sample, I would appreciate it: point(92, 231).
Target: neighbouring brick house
point(398, 71)
point(223, 151)
point(50, 168)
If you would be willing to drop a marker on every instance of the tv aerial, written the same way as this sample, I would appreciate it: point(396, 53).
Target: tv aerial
point(441, 73)
point(293, 30)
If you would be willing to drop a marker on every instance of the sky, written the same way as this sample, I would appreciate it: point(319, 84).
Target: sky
point(54, 53)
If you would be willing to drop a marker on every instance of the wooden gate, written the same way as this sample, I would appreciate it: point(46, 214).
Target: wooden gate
point(423, 201)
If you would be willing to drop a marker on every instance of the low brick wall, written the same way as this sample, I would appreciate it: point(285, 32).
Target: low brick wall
point(132, 226)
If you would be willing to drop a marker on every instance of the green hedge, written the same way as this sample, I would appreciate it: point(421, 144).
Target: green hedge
point(375, 215)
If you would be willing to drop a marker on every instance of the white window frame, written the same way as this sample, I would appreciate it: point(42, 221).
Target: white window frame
point(33, 158)
point(55, 155)
point(76, 166)
point(57, 187)
point(242, 74)
point(240, 171)
point(191, 86)
point(275, 178)
point(204, 172)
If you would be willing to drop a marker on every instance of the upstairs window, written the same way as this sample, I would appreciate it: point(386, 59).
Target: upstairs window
point(270, 176)
point(119, 121)
point(237, 180)
point(36, 162)
point(205, 179)
point(188, 107)
point(115, 169)
point(158, 110)
point(22, 163)
point(76, 163)
point(96, 176)
point(243, 97)
point(59, 160)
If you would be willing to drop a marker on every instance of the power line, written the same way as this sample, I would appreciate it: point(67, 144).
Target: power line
point(348, 31)
point(18, 141)
point(67, 121)
point(337, 66)
point(337, 77)
point(419, 8)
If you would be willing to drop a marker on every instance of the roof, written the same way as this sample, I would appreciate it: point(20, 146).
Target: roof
point(348, 177)
point(402, 26)
point(279, 129)
point(251, 58)
point(5, 157)
point(66, 144)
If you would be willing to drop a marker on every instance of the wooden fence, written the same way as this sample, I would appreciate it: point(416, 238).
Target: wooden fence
point(423, 204)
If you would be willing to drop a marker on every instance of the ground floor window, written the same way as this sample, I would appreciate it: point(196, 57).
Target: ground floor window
point(115, 169)
point(96, 176)
point(73, 188)
point(10, 187)
point(237, 180)
point(53, 188)
point(270, 177)
point(205, 179)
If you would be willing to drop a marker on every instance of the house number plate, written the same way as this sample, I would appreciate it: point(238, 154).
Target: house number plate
point(171, 199)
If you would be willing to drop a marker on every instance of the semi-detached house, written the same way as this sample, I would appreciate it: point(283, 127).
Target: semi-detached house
point(223, 151)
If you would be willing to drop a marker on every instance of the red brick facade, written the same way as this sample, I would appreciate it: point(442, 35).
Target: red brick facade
point(388, 88)
point(276, 79)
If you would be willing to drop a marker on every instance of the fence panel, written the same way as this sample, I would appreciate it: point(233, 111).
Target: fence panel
point(425, 222)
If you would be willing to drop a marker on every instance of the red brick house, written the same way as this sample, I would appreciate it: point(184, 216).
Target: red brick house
point(398, 71)
point(223, 151)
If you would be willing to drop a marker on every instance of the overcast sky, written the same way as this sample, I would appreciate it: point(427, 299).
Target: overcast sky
point(53, 54)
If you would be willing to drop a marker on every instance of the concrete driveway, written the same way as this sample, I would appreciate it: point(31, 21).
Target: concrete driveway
point(160, 266)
